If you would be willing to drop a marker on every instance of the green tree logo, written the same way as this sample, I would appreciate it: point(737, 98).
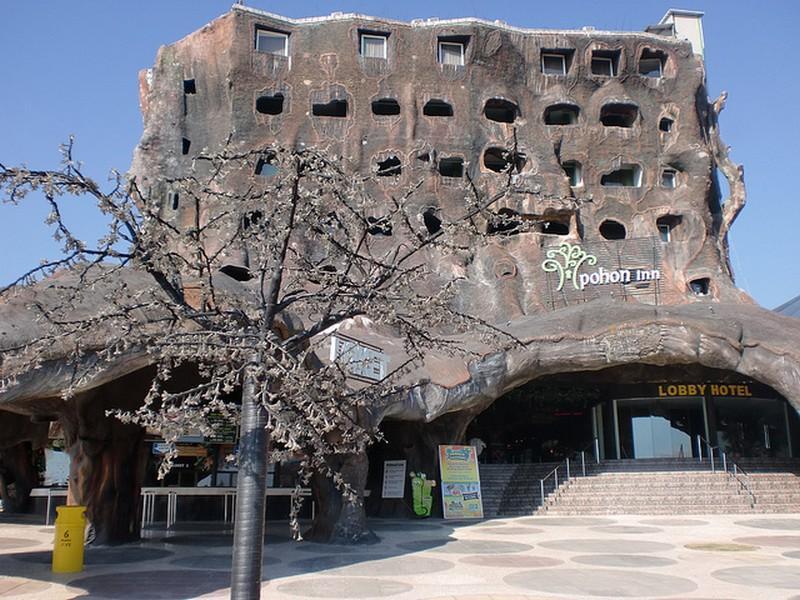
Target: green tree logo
point(566, 260)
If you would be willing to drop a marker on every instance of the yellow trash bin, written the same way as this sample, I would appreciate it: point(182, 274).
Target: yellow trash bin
point(68, 547)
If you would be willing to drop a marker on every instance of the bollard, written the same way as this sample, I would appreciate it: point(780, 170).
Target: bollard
point(68, 547)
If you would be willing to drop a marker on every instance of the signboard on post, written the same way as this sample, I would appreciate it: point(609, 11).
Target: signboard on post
point(394, 479)
point(461, 484)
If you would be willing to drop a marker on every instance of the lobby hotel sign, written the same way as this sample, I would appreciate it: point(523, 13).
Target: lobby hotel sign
point(572, 264)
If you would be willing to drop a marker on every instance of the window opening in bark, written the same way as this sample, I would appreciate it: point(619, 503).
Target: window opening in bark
point(561, 114)
point(185, 145)
point(424, 157)
point(669, 179)
point(251, 219)
point(270, 105)
point(605, 63)
point(505, 222)
point(555, 228)
point(236, 272)
point(389, 167)
point(334, 108)
point(437, 108)
point(500, 110)
point(619, 115)
point(625, 176)
point(451, 53)
point(386, 107)
point(666, 225)
point(174, 200)
point(432, 222)
point(651, 63)
point(189, 86)
point(451, 167)
point(374, 46)
point(700, 287)
point(265, 168)
point(665, 124)
point(556, 62)
point(501, 160)
point(574, 172)
point(379, 226)
point(612, 230)
point(272, 42)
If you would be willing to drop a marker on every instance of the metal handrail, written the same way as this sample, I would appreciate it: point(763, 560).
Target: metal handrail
point(737, 470)
point(554, 473)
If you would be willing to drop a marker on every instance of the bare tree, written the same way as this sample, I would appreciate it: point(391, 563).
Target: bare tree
point(229, 283)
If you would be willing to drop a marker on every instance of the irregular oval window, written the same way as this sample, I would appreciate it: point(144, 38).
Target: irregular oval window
point(500, 110)
point(619, 115)
point(270, 105)
point(561, 114)
point(437, 108)
point(612, 230)
point(385, 107)
point(625, 176)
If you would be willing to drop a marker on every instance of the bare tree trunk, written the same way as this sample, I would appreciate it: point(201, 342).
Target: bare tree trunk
point(251, 490)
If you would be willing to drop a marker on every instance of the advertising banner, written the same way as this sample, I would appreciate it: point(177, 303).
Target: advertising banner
point(461, 484)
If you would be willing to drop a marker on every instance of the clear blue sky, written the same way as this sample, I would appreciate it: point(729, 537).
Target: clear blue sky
point(70, 66)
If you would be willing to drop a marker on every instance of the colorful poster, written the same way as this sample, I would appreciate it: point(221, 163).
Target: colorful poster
point(461, 484)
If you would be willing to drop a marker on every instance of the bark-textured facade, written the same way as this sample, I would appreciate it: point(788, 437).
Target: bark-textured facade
point(609, 253)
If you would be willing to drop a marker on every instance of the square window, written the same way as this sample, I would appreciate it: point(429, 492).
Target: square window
point(272, 42)
point(650, 67)
point(669, 179)
point(603, 66)
point(554, 64)
point(373, 46)
point(573, 172)
point(451, 53)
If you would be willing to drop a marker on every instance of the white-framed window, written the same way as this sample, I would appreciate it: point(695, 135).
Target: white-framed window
point(664, 232)
point(374, 46)
point(554, 64)
point(272, 42)
point(602, 65)
point(669, 179)
point(451, 53)
point(651, 63)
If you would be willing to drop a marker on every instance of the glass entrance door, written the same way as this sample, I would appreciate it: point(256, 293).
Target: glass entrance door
point(659, 427)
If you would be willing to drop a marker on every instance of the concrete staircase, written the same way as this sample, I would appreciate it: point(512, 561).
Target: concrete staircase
point(678, 487)
point(512, 490)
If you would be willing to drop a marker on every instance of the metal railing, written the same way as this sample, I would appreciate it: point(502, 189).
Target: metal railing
point(565, 467)
point(741, 476)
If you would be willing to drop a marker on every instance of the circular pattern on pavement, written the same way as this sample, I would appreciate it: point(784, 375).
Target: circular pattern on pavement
point(608, 546)
point(721, 547)
point(793, 554)
point(782, 541)
point(636, 561)
point(626, 529)
point(327, 548)
point(370, 565)
point(512, 561)
point(99, 556)
point(567, 521)
point(167, 584)
point(8, 543)
point(511, 530)
point(215, 562)
point(783, 577)
point(779, 523)
point(344, 587)
point(14, 587)
point(213, 540)
point(454, 546)
point(616, 583)
point(674, 522)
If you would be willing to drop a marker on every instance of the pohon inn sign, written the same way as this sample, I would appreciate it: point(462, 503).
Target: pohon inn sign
point(569, 262)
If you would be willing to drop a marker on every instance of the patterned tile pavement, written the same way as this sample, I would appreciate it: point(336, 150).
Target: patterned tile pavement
point(510, 559)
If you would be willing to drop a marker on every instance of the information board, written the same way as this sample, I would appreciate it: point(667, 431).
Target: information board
point(394, 478)
point(461, 484)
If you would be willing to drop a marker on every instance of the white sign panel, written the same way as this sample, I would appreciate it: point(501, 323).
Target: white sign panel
point(362, 360)
point(394, 478)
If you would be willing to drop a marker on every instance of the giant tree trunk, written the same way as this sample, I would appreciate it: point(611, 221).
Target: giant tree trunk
point(106, 468)
point(338, 520)
point(19, 477)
